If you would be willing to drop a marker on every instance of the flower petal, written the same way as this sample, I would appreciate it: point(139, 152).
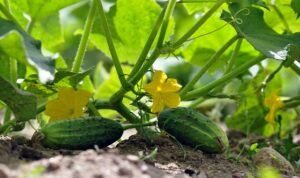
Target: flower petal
point(55, 110)
point(158, 104)
point(81, 98)
point(151, 88)
point(270, 117)
point(172, 100)
point(171, 85)
point(159, 77)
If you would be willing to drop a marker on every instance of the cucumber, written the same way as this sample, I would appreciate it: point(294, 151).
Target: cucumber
point(194, 129)
point(78, 134)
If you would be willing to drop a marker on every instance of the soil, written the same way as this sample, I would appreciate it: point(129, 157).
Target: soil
point(134, 157)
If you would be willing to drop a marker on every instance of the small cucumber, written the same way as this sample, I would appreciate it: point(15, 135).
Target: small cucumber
point(81, 133)
point(194, 129)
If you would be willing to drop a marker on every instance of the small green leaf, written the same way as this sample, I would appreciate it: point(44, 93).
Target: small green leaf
point(295, 4)
point(70, 78)
point(17, 44)
point(23, 104)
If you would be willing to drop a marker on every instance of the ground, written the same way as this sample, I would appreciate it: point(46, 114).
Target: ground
point(134, 157)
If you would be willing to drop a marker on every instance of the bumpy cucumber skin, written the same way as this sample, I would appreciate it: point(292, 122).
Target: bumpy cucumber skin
point(79, 134)
point(194, 129)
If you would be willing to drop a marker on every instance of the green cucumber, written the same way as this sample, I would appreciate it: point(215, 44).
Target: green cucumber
point(194, 129)
point(80, 133)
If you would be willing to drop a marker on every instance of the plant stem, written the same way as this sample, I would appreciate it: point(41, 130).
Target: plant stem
point(84, 39)
point(295, 68)
point(102, 104)
point(7, 115)
point(209, 63)
point(282, 18)
point(234, 55)
point(242, 68)
point(111, 46)
point(13, 78)
point(198, 24)
point(131, 126)
point(126, 113)
point(9, 15)
point(94, 110)
point(291, 104)
point(30, 25)
point(155, 54)
point(148, 44)
point(165, 23)
point(7, 5)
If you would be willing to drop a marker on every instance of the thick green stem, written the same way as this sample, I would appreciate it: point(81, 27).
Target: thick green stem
point(282, 18)
point(234, 55)
point(148, 45)
point(209, 63)
point(148, 63)
point(126, 113)
point(84, 38)
point(239, 70)
point(103, 104)
point(198, 24)
point(165, 23)
point(131, 126)
point(111, 46)
point(295, 68)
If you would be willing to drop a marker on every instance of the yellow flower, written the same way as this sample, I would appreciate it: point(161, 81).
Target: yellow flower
point(164, 91)
point(69, 104)
point(273, 102)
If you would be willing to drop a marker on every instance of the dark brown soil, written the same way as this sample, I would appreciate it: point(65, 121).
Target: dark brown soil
point(132, 158)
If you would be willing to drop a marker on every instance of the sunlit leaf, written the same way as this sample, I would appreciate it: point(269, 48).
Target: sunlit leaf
point(132, 27)
point(19, 45)
point(48, 31)
point(39, 9)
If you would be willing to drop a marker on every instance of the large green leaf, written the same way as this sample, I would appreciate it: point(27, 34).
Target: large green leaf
point(39, 9)
point(48, 31)
point(19, 45)
point(130, 27)
point(251, 25)
point(23, 104)
point(295, 4)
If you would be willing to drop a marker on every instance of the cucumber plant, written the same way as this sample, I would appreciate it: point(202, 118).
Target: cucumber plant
point(237, 50)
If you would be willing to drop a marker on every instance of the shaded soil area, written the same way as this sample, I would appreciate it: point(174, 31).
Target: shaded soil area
point(131, 158)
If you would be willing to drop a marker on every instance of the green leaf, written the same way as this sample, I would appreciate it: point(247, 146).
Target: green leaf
point(23, 104)
point(17, 44)
point(68, 78)
point(130, 28)
point(193, 6)
point(247, 120)
point(251, 25)
point(247, 3)
point(39, 9)
point(47, 30)
point(295, 4)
